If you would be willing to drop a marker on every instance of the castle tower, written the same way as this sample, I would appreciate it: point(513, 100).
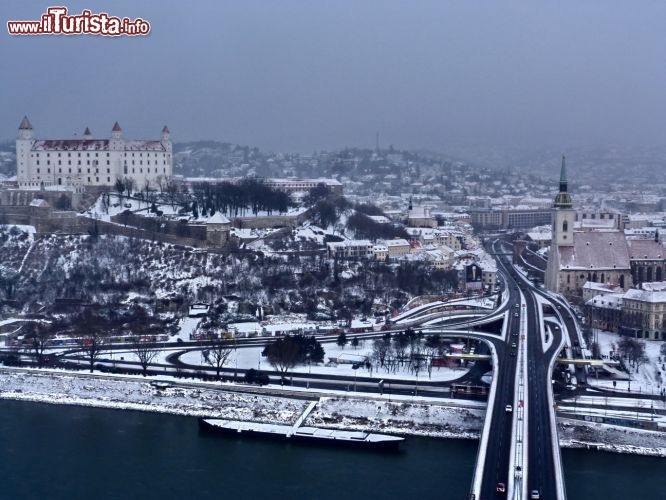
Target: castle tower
point(564, 217)
point(87, 134)
point(116, 142)
point(166, 139)
point(24, 140)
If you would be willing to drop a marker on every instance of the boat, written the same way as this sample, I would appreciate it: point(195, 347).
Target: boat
point(309, 435)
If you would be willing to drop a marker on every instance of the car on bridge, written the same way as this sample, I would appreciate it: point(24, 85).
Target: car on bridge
point(509, 408)
point(501, 488)
point(535, 495)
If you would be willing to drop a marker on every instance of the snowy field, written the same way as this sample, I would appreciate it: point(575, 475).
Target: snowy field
point(250, 357)
point(650, 377)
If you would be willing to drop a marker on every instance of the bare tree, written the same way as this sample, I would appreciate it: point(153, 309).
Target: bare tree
point(92, 344)
point(38, 336)
point(217, 354)
point(380, 350)
point(146, 352)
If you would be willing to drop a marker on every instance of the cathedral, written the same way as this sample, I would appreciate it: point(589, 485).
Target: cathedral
point(76, 163)
point(607, 257)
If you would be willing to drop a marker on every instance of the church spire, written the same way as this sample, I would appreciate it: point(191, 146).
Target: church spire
point(563, 176)
point(563, 198)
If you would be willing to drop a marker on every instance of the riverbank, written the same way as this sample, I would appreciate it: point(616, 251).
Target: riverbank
point(460, 420)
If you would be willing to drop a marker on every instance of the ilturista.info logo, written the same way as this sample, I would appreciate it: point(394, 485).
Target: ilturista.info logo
point(57, 21)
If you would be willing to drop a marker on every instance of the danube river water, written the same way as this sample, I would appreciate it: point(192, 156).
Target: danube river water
point(64, 452)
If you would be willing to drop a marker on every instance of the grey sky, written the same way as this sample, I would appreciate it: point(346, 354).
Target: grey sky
point(300, 75)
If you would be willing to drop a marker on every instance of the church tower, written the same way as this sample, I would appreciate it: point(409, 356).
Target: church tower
point(564, 217)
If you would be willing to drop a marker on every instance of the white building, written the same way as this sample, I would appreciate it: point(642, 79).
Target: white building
point(350, 249)
point(75, 163)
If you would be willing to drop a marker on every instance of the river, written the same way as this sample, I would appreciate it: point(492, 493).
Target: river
point(65, 452)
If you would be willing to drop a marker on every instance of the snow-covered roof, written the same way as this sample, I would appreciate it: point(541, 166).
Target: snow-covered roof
point(595, 250)
point(39, 202)
point(646, 249)
point(645, 295)
point(94, 145)
point(398, 242)
point(609, 301)
point(217, 218)
point(380, 219)
point(601, 287)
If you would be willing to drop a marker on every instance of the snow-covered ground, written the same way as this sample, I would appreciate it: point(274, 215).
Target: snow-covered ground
point(650, 377)
point(250, 357)
point(426, 417)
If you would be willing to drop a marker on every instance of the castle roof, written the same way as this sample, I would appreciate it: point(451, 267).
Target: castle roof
point(94, 145)
point(87, 131)
point(25, 124)
point(116, 128)
point(165, 130)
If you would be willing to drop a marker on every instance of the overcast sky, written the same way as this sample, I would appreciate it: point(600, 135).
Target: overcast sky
point(304, 75)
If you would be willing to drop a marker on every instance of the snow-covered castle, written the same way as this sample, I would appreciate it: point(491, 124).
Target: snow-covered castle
point(76, 163)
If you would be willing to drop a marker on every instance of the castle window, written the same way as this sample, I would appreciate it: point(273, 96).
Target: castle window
point(108, 170)
point(108, 162)
point(87, 162)
point(78, 155)
point(69, 154)
point(108, 179)
point(48, 162)
point(37, 162)
point(79, 162)
point(48, 170)
point(88, 155)
point(59, 162)
point(70, 170)
point(60, 170)
point(37, 170)
point(96, 179)
point(140, 162)
point(58, 155)
point(96, 155)
point(565, 226)
point(48, 155)
point(69, 162)
point(88, 179)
